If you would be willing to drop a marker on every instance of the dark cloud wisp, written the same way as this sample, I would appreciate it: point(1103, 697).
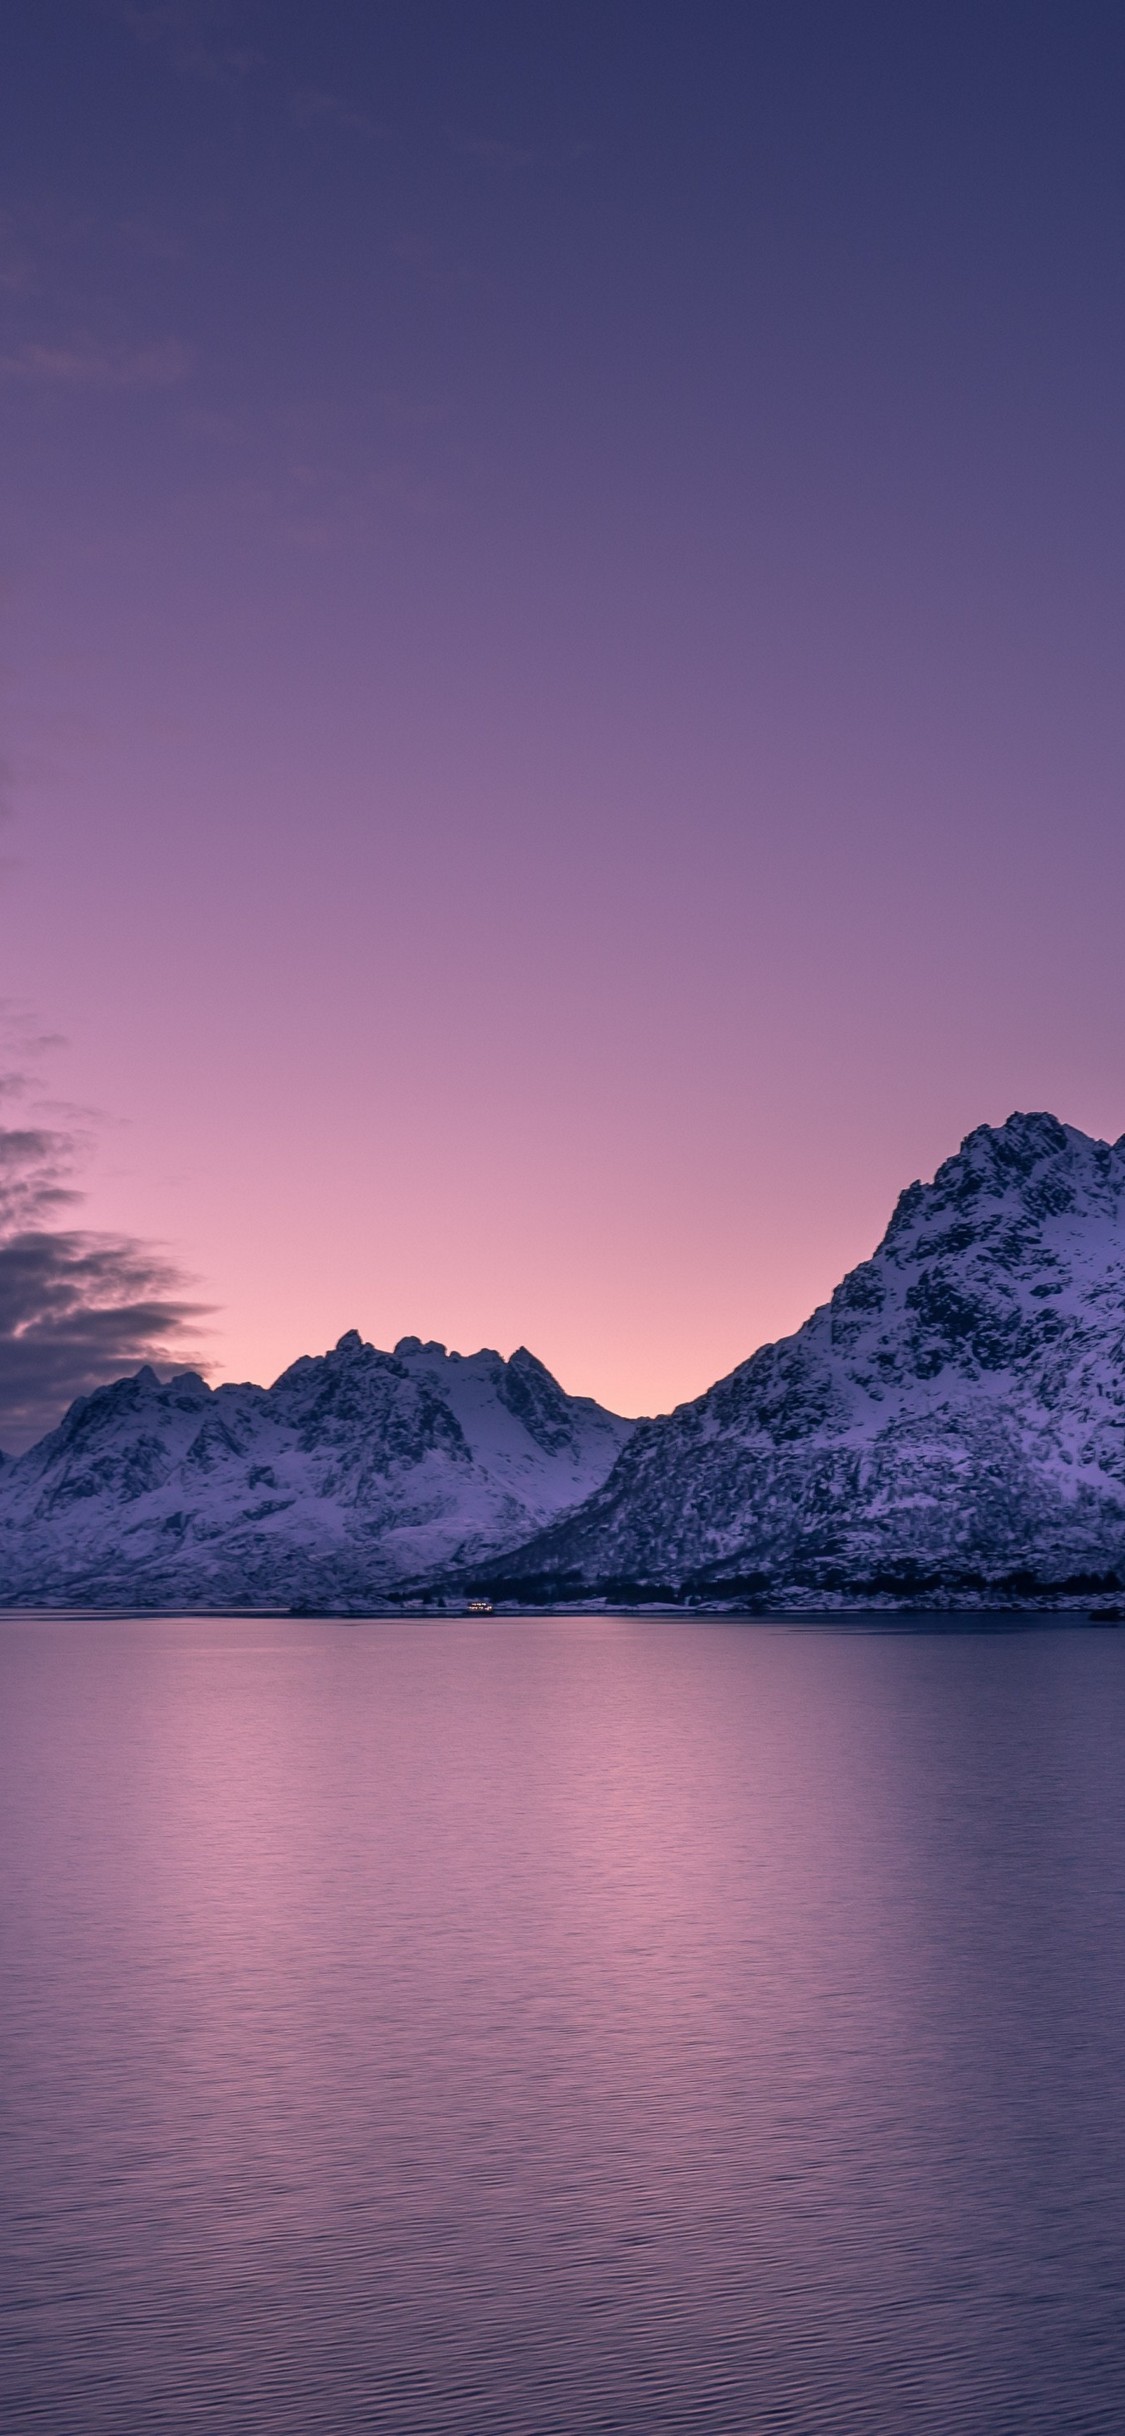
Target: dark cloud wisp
point(76, 1308)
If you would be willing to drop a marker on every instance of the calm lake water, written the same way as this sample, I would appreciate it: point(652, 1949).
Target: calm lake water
point(590, 2024)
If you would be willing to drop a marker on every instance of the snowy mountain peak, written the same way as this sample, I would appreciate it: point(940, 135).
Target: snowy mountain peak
point(954, 1417)
point(356, 1472)
point(1032, 1166)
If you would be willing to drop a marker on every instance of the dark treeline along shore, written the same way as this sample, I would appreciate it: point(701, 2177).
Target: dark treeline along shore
point(949, 1430)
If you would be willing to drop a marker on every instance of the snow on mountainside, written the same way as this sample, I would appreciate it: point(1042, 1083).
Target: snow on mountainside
point(952, 1423)
point(358, 1472)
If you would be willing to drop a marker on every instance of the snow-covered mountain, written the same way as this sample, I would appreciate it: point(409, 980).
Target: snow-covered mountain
point(357, 1473)
point(951, 1424)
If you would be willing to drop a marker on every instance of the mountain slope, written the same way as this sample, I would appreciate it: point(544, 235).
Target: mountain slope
point(357, 1473)
point(952, 1422)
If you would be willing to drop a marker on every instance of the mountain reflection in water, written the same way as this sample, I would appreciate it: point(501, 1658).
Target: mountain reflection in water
point(570, 2025)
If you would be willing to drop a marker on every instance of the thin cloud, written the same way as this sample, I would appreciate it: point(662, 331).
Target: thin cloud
point(34, 1162)
point(197, 37)
point(77, 1308)
point(147, 241)
point(17, 262)
point(88, 364)
point(311, 108)
point(498, 154)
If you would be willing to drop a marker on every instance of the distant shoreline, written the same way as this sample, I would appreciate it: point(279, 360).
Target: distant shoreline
point(1074, 1613)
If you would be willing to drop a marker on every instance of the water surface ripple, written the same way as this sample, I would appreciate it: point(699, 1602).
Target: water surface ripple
point(533, 2028)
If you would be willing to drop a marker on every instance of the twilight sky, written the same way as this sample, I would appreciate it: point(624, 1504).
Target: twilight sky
point(562, 581)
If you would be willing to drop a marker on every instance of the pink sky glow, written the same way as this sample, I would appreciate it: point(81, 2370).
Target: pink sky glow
point(565, 713)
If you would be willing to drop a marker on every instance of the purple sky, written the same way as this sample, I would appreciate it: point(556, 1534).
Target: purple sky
point(562, 577)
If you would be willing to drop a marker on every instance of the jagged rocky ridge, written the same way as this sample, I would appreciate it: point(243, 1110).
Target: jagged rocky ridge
point(358, 1475)
point(950, 1427)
